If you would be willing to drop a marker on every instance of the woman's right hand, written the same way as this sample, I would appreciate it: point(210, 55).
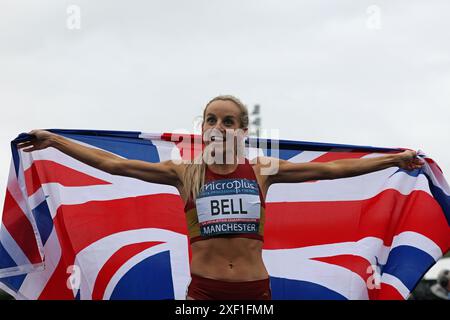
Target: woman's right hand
point(41, 139)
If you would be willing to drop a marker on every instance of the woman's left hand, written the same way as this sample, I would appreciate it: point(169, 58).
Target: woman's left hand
point(408, 160)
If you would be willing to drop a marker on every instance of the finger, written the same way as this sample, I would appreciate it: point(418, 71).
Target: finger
point(24, 144)
point(29, 149)
point(31, 139)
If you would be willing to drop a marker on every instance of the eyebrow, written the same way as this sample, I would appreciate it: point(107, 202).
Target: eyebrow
point(227, 116)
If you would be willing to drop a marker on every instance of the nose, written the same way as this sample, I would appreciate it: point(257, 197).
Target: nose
point(219, 126)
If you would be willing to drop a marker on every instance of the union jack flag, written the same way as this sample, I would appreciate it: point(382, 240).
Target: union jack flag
point(70, 231)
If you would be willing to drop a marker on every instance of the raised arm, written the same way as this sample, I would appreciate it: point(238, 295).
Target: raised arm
point(299, 172)
point(165, 172)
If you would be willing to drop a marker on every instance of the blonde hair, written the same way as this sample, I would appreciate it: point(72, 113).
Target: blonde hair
point(194, 174)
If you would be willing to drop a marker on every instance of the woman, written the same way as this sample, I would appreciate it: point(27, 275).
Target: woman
point(224, 200)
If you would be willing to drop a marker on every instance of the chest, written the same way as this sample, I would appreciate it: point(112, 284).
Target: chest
point(227, 206)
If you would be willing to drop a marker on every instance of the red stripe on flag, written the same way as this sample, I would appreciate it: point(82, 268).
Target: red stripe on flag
point(82, 224)
point(189, 145)
point(359, 265)
point(388, 292)
point(301, 224)
point(432, 162)
point(114, 263)
point(47, 171)
point(57, 287)
point(20, 228)
point(332, 156)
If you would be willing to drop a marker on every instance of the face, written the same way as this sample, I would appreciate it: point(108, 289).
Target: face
point(221, 117)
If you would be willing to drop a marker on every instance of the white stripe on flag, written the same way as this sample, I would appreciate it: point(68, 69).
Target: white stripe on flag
point(307, 156)
point(168, 150)
point(54, 155)
point(437, 178)
point(288, 264)
point(35, 283)
point(150, 136)
point(15, 190)
point(60, 195)
point(27, 212)
point(348, 189)
point(419, 241)
point(36, 199)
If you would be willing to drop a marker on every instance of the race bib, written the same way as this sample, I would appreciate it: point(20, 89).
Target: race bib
point(229, 207)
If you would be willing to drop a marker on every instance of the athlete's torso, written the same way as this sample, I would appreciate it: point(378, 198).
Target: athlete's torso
point(231, 211)
point(228, 205)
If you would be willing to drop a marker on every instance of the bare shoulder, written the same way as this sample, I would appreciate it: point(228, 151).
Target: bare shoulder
point(264, 168)
point(264, 160)
point(266, 165)
point(177, 166)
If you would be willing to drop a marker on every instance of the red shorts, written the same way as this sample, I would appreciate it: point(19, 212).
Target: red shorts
point(210, 289)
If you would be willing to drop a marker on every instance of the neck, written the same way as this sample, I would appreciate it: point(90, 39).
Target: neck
point(225, 168)
point(222, 168)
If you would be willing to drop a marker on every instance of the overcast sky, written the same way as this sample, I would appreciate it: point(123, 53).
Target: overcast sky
point(356, 72)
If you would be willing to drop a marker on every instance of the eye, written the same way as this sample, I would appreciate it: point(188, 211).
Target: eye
point(228, 122)
point(210, 120)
